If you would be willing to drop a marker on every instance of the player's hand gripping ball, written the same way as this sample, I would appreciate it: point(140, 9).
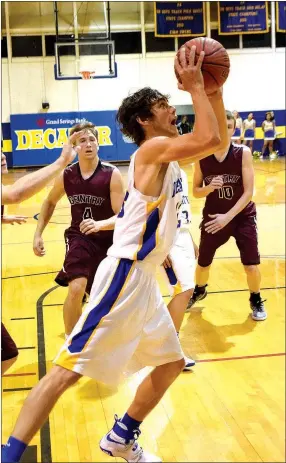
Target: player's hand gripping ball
point(215, 66)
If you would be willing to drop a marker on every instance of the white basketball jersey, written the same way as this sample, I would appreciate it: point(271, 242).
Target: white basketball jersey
point(184, 211)
point(146, 226)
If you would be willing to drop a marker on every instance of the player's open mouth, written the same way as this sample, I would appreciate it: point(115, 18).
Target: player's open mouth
point(173, 122)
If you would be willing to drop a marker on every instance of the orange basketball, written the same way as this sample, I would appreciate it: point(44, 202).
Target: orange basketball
point(216, 64)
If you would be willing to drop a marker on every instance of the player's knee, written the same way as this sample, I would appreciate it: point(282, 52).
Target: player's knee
point(77, 288)
point(187, 294)
point(250, 269)
point(177, 367)
point(173, 369)
point(62, 379)
point(180, 365)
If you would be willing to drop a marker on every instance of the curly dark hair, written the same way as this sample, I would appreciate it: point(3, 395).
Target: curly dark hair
point(85, 126)
point(139, 104)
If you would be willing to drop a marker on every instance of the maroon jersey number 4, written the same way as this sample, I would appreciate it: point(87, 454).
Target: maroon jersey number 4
point(89, 198)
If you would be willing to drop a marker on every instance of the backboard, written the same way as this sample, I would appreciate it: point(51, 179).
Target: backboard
point(95, 56)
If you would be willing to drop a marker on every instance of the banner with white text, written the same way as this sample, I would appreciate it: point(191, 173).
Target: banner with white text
point(242, 17)
point(179, 19)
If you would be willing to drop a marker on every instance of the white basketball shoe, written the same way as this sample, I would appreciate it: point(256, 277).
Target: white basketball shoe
point(130, 451)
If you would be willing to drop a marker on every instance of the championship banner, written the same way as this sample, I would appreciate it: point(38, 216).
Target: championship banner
point(243, 17)
point(179, 19)
point(281, 16)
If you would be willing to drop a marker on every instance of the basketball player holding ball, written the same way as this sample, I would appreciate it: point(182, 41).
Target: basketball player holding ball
point(126, 324)
point(228, 180)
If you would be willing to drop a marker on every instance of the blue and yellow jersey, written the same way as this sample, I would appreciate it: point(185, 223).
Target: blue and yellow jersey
point(146, 226)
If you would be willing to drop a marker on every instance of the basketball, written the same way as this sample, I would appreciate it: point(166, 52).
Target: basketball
point(216, 64)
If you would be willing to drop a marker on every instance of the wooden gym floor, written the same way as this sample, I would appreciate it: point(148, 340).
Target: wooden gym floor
point(229, 409)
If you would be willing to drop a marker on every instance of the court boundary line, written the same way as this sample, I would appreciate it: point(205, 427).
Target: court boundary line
point(235, 290)
point(45, 434)
point(16, 389)
point(18, 374)
point(29, 275)
point(247, 289)
point(26, 348)
point(243, 357)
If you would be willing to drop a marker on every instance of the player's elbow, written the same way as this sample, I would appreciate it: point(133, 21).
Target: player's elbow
point(211, 144)
point(224, 144)
point(214, 141)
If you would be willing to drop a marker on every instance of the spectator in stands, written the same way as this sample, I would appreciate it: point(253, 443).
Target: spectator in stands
point(184, 126)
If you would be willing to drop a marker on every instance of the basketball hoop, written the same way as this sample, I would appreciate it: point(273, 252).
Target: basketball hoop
point(87, 74)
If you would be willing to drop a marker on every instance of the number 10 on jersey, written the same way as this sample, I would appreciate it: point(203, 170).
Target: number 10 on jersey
point(226, 192)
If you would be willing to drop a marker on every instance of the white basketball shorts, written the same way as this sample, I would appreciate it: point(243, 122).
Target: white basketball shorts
point(124, 327)
point(181, 276)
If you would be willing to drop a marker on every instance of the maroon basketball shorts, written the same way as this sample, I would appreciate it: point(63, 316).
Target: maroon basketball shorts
point(83, 256)
point(244, 231)
point(8, 347)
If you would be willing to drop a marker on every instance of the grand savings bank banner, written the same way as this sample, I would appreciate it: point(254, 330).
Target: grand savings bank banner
point(37, 139)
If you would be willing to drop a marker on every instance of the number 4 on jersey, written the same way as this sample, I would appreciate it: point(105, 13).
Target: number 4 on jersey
point(87, 213)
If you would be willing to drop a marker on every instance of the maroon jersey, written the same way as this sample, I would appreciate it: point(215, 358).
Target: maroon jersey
point(222, 200)
point(90, 198)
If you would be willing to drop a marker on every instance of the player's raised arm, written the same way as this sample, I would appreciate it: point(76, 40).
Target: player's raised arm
point(205, 138)
point(216, 101)
point(30, 184)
